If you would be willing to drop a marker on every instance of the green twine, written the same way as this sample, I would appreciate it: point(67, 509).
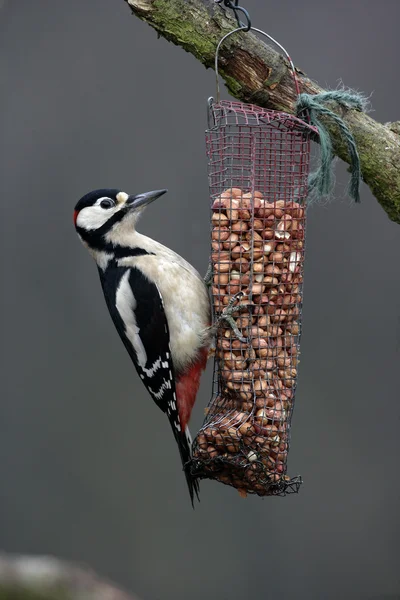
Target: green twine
point(321, 181)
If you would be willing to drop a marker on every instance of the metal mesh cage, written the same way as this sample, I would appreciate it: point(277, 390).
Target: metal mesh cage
point(258, 165)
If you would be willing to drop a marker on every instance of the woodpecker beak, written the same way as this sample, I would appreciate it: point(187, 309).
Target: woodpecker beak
point(134, 202)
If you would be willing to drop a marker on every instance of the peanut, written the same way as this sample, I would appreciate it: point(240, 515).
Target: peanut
point(220, 234)
point(230, 241)
point(231, 193)
point(239, 226)
point(219, 218)
point(257, 249)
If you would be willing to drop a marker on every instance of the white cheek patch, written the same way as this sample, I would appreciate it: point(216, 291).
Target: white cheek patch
point(93, 217)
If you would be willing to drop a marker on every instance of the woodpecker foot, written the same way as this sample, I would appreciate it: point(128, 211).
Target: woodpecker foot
point(211, 350)
point(208, 276)
point(228, 319)
point(227, 313)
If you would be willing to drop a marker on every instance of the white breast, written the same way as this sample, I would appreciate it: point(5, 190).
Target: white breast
point(185, 297)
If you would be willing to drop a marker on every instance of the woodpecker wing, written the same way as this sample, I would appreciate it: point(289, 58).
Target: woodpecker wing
point(137, 309)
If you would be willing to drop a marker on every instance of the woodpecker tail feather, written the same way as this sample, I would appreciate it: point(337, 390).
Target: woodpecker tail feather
point(184, 441)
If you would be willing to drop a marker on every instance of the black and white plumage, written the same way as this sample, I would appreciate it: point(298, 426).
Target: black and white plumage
point(158, 302)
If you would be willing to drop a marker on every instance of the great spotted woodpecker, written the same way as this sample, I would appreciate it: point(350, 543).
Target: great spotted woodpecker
point(158, 302)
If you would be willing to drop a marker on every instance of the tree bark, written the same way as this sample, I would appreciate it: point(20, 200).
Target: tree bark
point(48, 578)
point(254, 72)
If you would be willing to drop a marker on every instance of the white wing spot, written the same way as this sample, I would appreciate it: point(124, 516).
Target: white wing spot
point(160, 392)
point(126, 304)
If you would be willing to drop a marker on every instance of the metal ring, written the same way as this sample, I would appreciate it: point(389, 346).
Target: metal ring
point(296, 83)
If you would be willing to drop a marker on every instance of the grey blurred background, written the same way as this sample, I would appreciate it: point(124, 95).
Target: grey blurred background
point(88, 468)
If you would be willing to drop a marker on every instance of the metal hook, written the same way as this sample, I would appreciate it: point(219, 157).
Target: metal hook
point(292, 67)
point(236, 8)
point(247, 16)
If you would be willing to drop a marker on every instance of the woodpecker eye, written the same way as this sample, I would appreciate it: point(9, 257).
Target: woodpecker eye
point(107, 203)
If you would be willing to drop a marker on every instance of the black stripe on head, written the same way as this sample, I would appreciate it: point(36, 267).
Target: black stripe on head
point(95, 237)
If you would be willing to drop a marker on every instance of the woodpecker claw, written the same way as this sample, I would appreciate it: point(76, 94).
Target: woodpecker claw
point(226, 315)
point(234, 327)
point(231, 304)
point(211, 351)
point(208, 276)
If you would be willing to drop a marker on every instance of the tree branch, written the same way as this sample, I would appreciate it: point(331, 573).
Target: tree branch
point(48, 578)
point(256, 73)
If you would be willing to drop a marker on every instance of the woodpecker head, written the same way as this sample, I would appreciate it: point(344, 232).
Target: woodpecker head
point(103, 215)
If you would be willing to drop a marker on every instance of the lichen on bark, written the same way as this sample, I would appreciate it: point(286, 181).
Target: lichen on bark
point(255, 72)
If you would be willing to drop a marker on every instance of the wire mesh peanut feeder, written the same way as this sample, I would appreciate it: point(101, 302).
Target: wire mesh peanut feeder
point(258, 166)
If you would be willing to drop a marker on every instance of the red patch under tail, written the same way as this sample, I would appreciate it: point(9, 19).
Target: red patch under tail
point(187, 387)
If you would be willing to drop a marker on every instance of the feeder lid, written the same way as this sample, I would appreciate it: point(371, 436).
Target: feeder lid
point(227, 112)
